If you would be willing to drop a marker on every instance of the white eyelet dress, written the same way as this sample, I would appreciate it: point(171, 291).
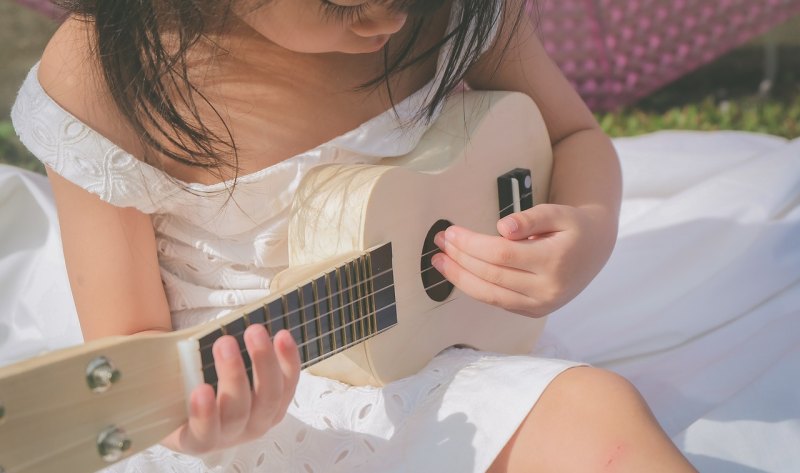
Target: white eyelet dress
point(453, 416)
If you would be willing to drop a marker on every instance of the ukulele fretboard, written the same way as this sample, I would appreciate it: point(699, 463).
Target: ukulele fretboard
point(325, 316)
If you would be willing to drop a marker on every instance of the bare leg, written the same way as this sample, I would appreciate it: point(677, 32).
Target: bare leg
point(590, 420)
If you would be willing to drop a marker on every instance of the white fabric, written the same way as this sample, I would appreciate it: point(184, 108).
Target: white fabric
point(36, 309)
point(699, 305)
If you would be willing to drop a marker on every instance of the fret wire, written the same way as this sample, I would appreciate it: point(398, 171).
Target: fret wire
point(360, 306)
point(342, 295)
point(371, 291)
point(312, 331)
point(354, 295)
point(349, 278)
point(365, 286)
point(285, 309)
point(344, 303)
point(268, 319)
point(365, 289)
point(320, 347)
point(303, 324)
point(328, 312)
point(358, 277)
point(282, 320)
point(331, 317)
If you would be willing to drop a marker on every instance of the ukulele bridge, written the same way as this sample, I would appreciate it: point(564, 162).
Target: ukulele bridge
point(515, 191)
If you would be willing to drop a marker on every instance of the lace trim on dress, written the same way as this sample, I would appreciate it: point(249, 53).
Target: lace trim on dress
point(82, 155)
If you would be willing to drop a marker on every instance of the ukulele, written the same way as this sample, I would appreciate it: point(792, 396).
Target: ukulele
point(360, 296)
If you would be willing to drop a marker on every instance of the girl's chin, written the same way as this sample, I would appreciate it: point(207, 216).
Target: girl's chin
point(378, 42)
point(361, 46)
point(369, 45)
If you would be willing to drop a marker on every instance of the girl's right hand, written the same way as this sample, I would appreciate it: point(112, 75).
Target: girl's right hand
point(238, 413)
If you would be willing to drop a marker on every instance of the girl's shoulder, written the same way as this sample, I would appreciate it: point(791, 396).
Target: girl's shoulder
point(70, 74)
point(67, 119)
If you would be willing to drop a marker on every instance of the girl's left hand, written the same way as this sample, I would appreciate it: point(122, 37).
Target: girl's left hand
point(542, 259)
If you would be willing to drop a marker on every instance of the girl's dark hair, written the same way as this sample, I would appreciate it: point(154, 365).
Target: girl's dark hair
point(148, 75)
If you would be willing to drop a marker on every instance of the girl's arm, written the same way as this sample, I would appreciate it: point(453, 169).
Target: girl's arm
point(112, 264)
point(113, 271)
point(556, 248)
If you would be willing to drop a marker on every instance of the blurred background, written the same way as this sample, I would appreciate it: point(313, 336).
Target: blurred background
point(643, 65)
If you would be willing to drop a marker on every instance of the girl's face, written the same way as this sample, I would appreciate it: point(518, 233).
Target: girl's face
point(326, 26)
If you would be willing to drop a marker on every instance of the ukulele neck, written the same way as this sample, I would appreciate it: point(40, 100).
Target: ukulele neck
point(326, 315)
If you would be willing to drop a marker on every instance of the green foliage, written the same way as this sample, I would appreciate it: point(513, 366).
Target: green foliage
point(772, 116)
point(13, 152)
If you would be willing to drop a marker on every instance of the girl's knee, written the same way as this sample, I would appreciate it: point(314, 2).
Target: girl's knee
point(588, 388)
point(590, 419)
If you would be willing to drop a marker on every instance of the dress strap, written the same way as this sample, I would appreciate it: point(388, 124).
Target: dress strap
point(82, 155)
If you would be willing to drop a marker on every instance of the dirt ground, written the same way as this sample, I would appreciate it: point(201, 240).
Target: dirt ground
point(23, 35)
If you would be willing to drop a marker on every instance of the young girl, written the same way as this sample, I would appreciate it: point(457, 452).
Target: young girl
point(174, 134)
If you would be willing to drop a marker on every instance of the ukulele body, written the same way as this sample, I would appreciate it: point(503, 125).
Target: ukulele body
point(451, 176)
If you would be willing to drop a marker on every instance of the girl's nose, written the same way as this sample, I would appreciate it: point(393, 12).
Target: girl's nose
point(379, 21)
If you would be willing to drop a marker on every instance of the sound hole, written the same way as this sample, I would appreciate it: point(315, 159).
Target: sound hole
point(437, 287)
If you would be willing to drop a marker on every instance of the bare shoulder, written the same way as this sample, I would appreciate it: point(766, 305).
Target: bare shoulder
point(70, 74)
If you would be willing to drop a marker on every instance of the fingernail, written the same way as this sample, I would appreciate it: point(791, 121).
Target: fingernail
point(449, 235)
point(201, 403)
point(509, 224)
point(258, 338)
point(438, 262)
point(228, 349)
point(439, 239)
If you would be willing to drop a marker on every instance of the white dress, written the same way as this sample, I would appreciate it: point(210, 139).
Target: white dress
point(454, 416)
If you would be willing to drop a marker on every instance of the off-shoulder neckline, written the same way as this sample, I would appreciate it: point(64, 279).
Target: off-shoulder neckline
point(348, 140)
